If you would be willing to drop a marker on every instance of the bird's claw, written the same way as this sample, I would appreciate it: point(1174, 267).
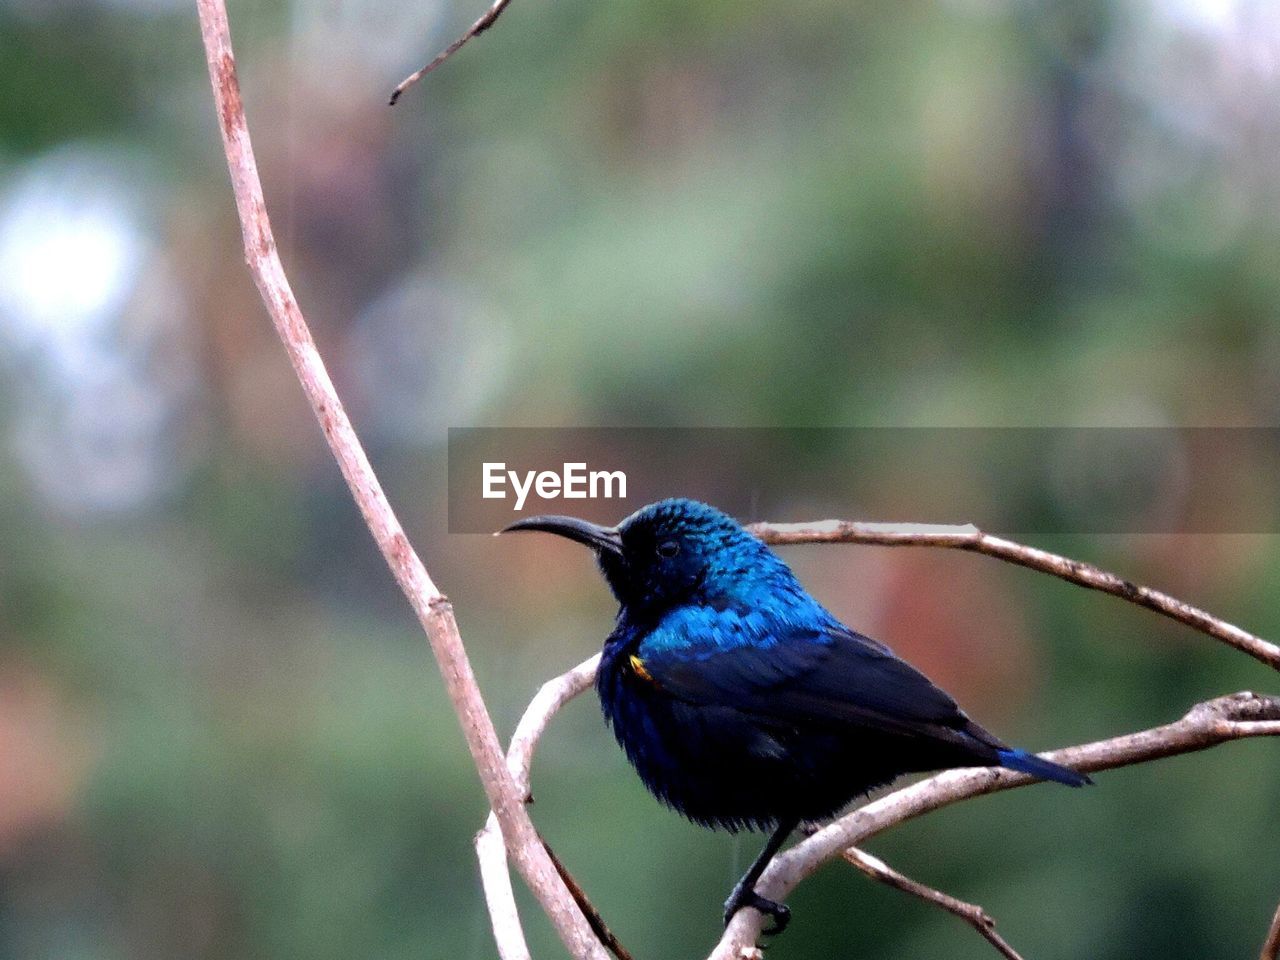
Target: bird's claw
point(777, 912)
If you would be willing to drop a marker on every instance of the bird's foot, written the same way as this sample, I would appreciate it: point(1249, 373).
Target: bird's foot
point(778, 912)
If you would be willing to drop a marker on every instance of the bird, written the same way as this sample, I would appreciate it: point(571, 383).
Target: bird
point(742, 702)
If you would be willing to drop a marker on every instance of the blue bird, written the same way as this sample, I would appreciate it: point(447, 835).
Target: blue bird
point(742, 702)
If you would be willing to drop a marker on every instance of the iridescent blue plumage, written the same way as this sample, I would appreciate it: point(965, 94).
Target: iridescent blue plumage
point(741, 701)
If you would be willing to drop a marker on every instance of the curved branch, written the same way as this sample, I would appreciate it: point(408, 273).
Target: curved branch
point(551, 696)
point(970, 538)
point(490, 851)
point(495, 877)
point(1233, 717)
point(431, 606)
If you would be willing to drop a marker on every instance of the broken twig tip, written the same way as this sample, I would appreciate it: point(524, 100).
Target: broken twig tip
point(477, 28)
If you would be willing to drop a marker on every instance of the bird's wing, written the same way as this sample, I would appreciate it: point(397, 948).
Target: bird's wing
point(796, 673)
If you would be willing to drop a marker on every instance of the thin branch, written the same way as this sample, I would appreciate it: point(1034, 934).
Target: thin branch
point(433, 610)
point(551, 696)
point(479, 27)
point(970, 538)
point(495, 876)
point(490, 851)
point(1208, 724)
point(598, 926)
point(1271, 949)
point(971, 913)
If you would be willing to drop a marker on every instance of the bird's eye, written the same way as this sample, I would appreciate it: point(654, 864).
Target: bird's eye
point(668, 549)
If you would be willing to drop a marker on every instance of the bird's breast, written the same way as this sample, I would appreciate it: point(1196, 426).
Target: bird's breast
point(711, 763)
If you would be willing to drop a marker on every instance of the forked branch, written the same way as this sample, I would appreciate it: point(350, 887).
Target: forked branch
point(490, 850)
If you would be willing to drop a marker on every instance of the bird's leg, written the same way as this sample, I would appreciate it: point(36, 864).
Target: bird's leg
point(744, 893)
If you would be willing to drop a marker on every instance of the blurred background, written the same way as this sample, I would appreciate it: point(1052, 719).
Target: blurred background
point(221, 733)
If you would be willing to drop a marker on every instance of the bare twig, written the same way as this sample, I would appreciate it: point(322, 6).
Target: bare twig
point(598, 926)
point(974, 915)
point(495, 876)
point(551, 696)
point(970, 538)
point(479, 27)
point(1271, 949)
point(431, 606)
point(1206, 725)
point(492, 854)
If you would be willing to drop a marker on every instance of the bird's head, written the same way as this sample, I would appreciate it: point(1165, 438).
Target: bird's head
point(672, 552)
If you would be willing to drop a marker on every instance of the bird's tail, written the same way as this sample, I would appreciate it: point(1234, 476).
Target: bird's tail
point(1025, 762)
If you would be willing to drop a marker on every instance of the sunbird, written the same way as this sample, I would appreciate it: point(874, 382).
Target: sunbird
point(742, 702)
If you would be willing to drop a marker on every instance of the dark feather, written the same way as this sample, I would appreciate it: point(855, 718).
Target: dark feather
point(821, 678)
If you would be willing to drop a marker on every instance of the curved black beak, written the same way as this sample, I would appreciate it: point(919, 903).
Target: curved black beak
point(601, 539)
